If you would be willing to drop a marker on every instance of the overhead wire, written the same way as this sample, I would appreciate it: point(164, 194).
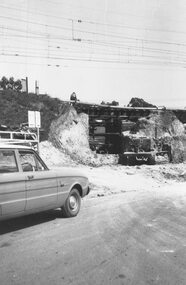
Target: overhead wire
point(14, 8)
point(108, 42)
point(140, 16)
point(118, 36)
point(72, 50)
point(103, 59)
point(45, 36)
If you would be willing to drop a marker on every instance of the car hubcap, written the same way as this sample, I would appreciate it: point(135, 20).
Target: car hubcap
point(73, 203)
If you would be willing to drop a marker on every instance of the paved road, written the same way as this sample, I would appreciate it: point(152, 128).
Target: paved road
point(130, 238)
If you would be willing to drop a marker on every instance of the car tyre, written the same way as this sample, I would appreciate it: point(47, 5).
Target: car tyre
point(72, 204)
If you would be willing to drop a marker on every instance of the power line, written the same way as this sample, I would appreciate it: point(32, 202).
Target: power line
point(103, 60)
point(73, 50)
point(118, 36)
point(118, 45)
point(93, 22)
point(129, 54)
point(109, 41)
point(126, 66)
point(111, 12)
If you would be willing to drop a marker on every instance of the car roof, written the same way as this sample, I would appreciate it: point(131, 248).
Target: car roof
point(13, 146)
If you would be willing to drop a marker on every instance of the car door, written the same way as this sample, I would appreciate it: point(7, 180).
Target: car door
point(41, 184)
point(12, 184)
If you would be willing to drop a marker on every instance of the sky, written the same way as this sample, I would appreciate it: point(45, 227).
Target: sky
point(103, 50)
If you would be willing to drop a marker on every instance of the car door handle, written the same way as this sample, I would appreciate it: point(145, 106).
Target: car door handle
point(30, 177)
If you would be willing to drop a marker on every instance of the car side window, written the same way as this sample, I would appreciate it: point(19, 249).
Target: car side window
point(8, 161)
point(30, 162)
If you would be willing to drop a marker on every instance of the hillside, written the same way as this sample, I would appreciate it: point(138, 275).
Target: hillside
point(14, 108)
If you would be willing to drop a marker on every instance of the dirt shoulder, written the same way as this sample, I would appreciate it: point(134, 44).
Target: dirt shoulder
point(108, 180)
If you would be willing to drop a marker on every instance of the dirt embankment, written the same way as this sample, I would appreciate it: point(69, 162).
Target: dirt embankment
point(69, 133)
point(164, 129)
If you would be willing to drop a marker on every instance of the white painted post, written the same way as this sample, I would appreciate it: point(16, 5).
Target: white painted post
point(34, 121)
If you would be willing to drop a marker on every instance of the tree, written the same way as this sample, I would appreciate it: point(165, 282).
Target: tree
point(113, 103)
point(17, 85)
point(4, 83)
point(139, 102)
point(10, 84)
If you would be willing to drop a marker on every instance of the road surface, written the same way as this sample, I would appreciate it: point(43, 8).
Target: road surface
point(128, 238)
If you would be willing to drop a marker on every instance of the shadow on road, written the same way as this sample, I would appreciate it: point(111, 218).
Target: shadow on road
point(28, 221)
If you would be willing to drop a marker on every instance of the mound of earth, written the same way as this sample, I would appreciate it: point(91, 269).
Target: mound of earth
point(69, 133)
point(53, 157)
point(165, 129)
point(161, 124)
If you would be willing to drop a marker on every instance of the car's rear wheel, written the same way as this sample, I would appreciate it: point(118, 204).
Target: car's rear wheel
point(72, 204)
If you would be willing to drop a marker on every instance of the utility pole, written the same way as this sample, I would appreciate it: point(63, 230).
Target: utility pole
point(24, 82)
point(36, 87)
point(27, 85)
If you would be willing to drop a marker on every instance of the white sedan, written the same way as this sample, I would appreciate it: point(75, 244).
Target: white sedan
point(27, 185)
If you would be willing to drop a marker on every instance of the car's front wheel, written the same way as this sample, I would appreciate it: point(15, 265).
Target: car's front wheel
point(72, 204)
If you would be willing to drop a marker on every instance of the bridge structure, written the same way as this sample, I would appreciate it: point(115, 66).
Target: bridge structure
point(107, 123)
